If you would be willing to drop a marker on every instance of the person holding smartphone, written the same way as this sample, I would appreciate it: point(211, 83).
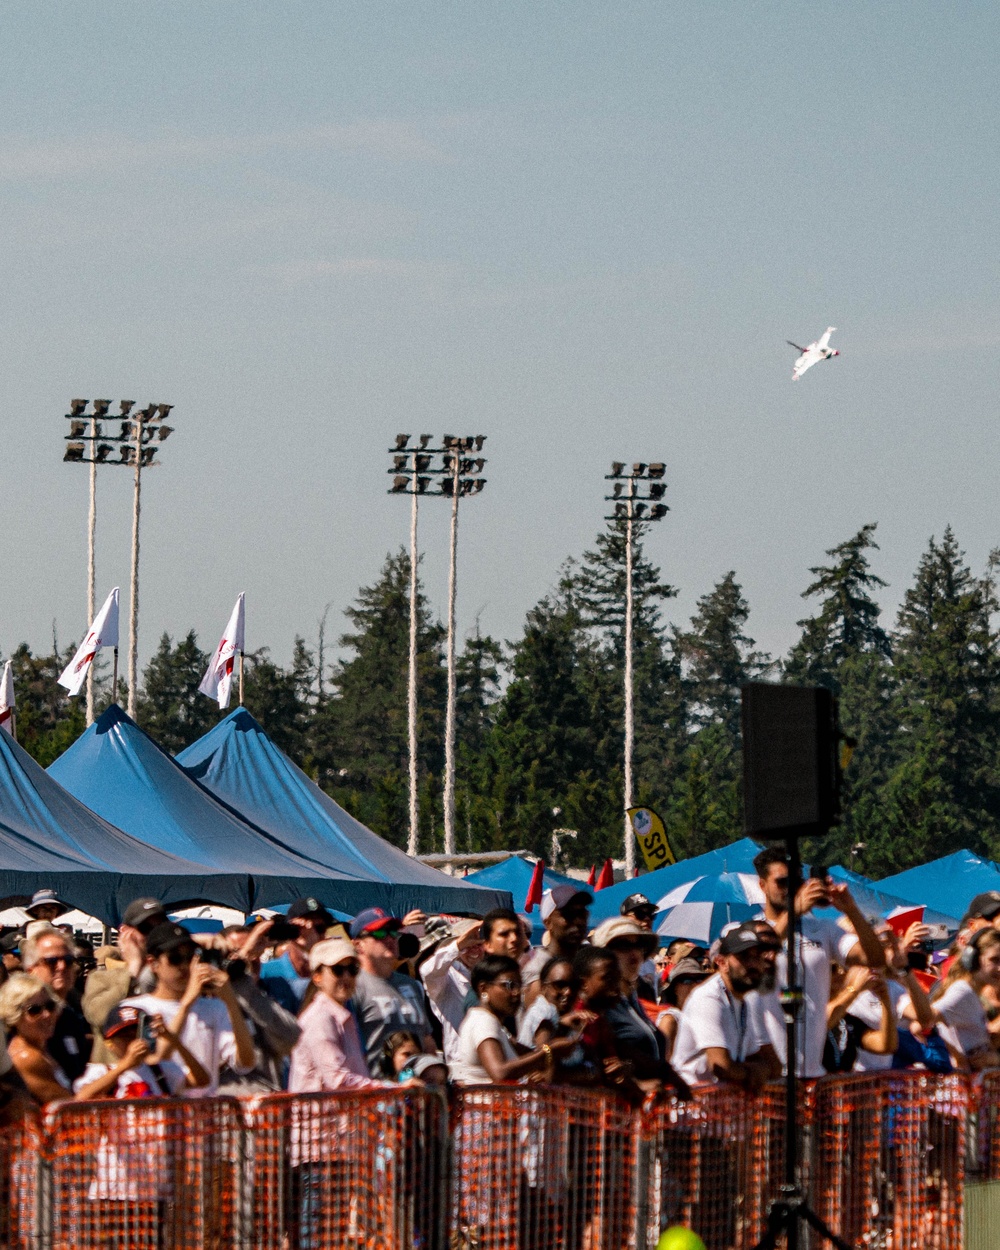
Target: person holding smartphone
point(197, 1004)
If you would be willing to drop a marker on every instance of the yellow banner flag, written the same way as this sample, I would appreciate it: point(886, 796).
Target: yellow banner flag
point(651, 836)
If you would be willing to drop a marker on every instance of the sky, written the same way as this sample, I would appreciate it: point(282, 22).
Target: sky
point(583, 230)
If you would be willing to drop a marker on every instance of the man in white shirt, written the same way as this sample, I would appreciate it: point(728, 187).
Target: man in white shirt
point(212, 1028)
point(719, 1038)
point(565, 912)
point(819, 944)
point(446, 974)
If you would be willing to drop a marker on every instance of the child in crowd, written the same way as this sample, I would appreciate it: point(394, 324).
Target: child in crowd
point(397, 1051)
point(137, 1072)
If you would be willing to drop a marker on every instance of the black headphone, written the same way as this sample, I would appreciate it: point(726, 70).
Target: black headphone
point(971, 956)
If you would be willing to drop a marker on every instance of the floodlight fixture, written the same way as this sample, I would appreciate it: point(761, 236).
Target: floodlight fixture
point(78, 407)
point(399, 463)
point(479, 440)
point(639, 509)
point(616, 491)
point(147, 456)
point(658, 511)
point(401, 441)
point(638, 469)
point(448, 486)
point(480, 482)
point(77, 429)
point(621, 511)
point(74, 451)
point(425, 440)
point(102, 452)
point(423, 463)
point(126, 432)
point(449, 441)
point(162, 410)
point(657, 469)
point(164, 432)
point(101, 407)
point(616, 468)
point(127, 454)
point(657, 490)
point(125, 406)
point(399, 484)
point(422, 484)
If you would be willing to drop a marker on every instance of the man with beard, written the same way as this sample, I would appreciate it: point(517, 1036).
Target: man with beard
point(819, 944)
point(719, 1037)
point(763, 1001)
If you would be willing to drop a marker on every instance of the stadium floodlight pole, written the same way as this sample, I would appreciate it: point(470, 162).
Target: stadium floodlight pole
point(634, 510)
point(87, 434)
point(415, 471)
point(147, 432)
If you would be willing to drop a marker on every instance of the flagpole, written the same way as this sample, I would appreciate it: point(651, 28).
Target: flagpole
point(92, 558)
point(133, 624)
point(241, 679)
point(114, 680)
point(629, 688)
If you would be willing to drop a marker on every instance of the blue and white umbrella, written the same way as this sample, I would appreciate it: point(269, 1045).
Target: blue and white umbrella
point(699, 910)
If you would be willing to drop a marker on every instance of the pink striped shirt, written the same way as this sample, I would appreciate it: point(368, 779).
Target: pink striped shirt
point(329, 1054)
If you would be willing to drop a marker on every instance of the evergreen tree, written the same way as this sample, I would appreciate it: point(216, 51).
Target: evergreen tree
point(170, 707)
point(718, 657)
point(362, 745)
point(944, 795)
point(281, 698)
point(48, 721)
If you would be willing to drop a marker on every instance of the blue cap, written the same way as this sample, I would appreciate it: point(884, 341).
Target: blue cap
point(373, 918)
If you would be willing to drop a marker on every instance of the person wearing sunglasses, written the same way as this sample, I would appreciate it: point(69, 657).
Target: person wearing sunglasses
point(197, 1004)
point(29, 1011)
point(385, 1001)
point(107, 987)
point(49, 956)
point(329, 1054)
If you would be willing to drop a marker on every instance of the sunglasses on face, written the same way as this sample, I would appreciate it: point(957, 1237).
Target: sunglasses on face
point(509, 986)
point(147, 926)
point(53, 961)
point(177, 958)
point(781, 883)
point(560, 985)
point(381, 934)
point(34, 1010)
point(344, 970)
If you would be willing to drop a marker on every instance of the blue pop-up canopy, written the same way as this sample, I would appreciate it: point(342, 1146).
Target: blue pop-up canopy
point(737, 857)
point(947, 884)
point(49, 838)
point(875, 901)
point(240, 765)
point(514, 874)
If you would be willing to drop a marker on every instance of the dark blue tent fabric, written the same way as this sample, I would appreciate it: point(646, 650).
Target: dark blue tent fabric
point(874, 901)
point(947, 884)
point(243, 768)
point(49, 838)
point(514, 874)
point(738, 857)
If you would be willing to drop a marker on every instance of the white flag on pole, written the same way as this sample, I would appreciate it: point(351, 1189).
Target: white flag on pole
point(219, 678)
point(103, 633)
point(7, 698)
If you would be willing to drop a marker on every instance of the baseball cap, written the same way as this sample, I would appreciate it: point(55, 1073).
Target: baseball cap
point(42, 898)
point(309, 909)
point(561, 896)
point(168, 937)
point(419, 1064)
point(121, 1017)
point(616, 927)
point(736, 941)
point(330, 952)
point(688, 967)
point(985, 905)
point(373, 918)
point(142, 911)
point(636, 902)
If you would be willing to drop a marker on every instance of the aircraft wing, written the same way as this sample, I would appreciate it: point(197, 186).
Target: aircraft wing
point(825, 340)
point(809, 357)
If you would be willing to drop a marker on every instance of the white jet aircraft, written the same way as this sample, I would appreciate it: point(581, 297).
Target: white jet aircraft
point(813, 354)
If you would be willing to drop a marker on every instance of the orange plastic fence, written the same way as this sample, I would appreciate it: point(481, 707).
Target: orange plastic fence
point(549, 1169)
point(513, 1168)
point(348, 1170)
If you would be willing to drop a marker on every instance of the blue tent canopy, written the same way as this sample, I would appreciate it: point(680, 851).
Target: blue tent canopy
point(514, 874)
point(738, 857)
point(49, 838)
point(240, 765)
point(947, 884)
point(874, 901)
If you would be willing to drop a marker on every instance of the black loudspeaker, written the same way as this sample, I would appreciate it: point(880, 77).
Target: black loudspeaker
point(791, 773)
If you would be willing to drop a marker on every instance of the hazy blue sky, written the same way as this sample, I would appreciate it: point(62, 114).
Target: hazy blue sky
point(583, 229)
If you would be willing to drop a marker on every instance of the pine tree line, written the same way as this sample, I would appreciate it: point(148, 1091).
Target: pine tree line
point(540, 718)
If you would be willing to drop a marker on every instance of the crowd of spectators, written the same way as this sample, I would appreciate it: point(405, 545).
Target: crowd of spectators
point(305, 1003)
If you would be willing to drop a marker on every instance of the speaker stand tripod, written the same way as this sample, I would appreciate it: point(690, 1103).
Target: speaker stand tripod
point(790, 1210)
